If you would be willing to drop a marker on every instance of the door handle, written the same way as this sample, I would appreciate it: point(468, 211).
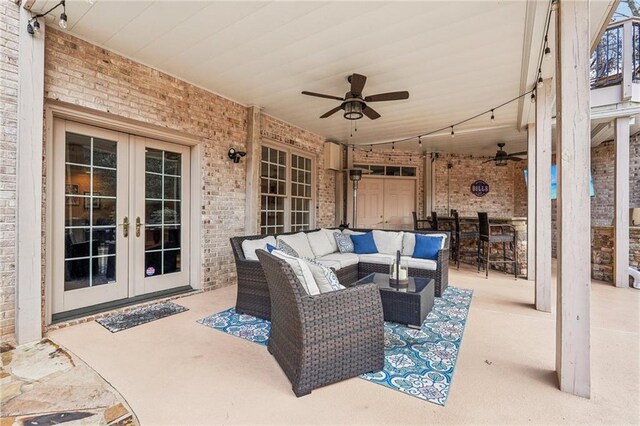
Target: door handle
point(138, 225)
point(125, 227)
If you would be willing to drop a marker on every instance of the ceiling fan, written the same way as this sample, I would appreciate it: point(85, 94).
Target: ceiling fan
point(502, 158)
point(354, 104)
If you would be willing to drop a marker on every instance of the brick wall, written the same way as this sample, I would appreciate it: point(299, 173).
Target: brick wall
point(507, 195)
point(602, 170)
point(9, 17)
point(603, 251)
point(80, 73)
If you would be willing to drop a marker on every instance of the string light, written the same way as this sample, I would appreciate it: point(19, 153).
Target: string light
point(420, 141)
point(393, 145)
point(493, 117)
point(547, 49)
point(533, 97)
point(453, 135)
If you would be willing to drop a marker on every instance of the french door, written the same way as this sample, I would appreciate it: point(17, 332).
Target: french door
point(120, 217)
point(386, 203)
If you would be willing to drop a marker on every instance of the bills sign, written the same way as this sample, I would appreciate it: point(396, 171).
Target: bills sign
point(479, 188)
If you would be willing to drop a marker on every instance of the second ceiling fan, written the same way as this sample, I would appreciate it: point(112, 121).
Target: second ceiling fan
point(354, 103)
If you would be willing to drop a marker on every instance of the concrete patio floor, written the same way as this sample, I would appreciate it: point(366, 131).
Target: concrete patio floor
point(175, 371)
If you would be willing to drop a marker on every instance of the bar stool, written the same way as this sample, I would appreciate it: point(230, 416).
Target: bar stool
point(508, 234)
point(460, 236)
point(434, 221)
point(420, 224)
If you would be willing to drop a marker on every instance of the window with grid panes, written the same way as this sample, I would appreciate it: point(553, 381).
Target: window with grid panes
point(285, 191)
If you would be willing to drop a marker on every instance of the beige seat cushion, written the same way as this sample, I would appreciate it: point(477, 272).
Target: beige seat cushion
point(344, 259)
point(377, 258)
point(413, 262)
point(330, 263)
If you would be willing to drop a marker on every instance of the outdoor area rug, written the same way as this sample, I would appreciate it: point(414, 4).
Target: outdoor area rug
point(418, 362)
point(143, 315)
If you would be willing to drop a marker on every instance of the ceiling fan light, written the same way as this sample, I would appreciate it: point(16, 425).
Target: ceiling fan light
point(353, 110)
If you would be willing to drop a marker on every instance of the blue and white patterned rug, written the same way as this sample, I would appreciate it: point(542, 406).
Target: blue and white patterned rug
point(418, 362)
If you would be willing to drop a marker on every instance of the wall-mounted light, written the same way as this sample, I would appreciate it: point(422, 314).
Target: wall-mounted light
point(236, 155)
point(33, 25)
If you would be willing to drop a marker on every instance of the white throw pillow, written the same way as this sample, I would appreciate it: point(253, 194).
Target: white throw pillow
point(325, 278)
point(332, 240)
point(249, 247)
point(388, 242)
point(301, 270)
point(320, 243)
point(299, 242)
point(409, 242)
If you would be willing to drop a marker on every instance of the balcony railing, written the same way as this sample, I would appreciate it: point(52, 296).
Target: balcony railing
point(608, 60)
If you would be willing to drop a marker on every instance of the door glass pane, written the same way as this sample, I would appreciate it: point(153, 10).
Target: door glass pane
point(163, 198)
point(90, 211)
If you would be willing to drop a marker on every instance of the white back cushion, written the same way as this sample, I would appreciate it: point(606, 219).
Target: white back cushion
point(409, 242)
point(350, 232)
point(332, 240)
point(320, 243)
point(249, 247)
point(388, 242)
point(301, 270)
point(299, 243)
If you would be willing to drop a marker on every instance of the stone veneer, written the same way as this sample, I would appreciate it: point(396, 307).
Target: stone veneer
point(603, 251)
point(9, 20)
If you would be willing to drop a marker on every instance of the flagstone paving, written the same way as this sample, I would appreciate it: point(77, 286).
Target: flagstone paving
point(42, 383)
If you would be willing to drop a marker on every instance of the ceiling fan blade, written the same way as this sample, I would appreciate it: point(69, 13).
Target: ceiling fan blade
point(370, 112)
point(331, 112)
point(391, 96)
point(514, 158)
point(488, 161)
point(519, 153)
point(357, 84)
point(320, 95)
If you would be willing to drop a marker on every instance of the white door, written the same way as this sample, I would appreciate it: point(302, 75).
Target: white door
point(160, 213)
point(399, 202)
point(120, 217)
point(90, 247)
point(370, 203)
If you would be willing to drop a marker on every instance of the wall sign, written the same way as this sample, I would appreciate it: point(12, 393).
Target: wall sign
point(479, 188)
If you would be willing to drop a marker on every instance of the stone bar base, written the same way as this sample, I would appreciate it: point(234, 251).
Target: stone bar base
point(602, 251)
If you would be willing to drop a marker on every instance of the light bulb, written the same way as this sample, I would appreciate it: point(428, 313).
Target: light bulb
point(493, 117)
point(419, 141)
point(547, 52)
point(533, 98)
point(453, 135)
point(540, 82)
point(63, 21)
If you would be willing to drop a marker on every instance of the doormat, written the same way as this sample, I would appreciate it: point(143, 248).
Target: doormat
point(418, 362)
point(143, 315)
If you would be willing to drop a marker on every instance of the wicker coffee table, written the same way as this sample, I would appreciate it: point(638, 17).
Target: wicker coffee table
point(407, 303)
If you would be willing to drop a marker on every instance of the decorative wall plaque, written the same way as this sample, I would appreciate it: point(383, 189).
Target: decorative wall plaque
point(479, 188)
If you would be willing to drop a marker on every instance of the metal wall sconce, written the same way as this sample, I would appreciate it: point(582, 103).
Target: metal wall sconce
point(33, 26)
point(236, 155)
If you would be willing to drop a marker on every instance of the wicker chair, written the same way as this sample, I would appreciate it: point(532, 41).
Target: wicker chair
point(322, 339)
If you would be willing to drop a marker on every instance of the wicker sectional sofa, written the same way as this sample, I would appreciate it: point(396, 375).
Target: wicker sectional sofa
point(253, 294)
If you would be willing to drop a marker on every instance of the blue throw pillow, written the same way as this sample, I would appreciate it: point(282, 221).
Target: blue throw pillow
point(270, 247)
point(363, 244)
point(427, 247)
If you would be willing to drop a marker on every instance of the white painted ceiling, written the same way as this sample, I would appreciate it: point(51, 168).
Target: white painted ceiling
point(455, 58)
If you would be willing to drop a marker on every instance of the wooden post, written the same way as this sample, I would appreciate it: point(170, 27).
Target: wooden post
point(573, 358)
point(254, 155)
point(29, 182)
point(531, 201)
point(428, 186)
point(621, 264)
point(544, 102)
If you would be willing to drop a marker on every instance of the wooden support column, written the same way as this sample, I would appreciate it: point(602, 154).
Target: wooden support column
point(531, 201)
point(29, 182)
point(428, 186)
point(542, 237)
point(573, 333)
point(254, 154)
point(621, 264)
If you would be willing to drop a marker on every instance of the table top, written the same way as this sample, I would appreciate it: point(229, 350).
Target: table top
point(415, 285)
